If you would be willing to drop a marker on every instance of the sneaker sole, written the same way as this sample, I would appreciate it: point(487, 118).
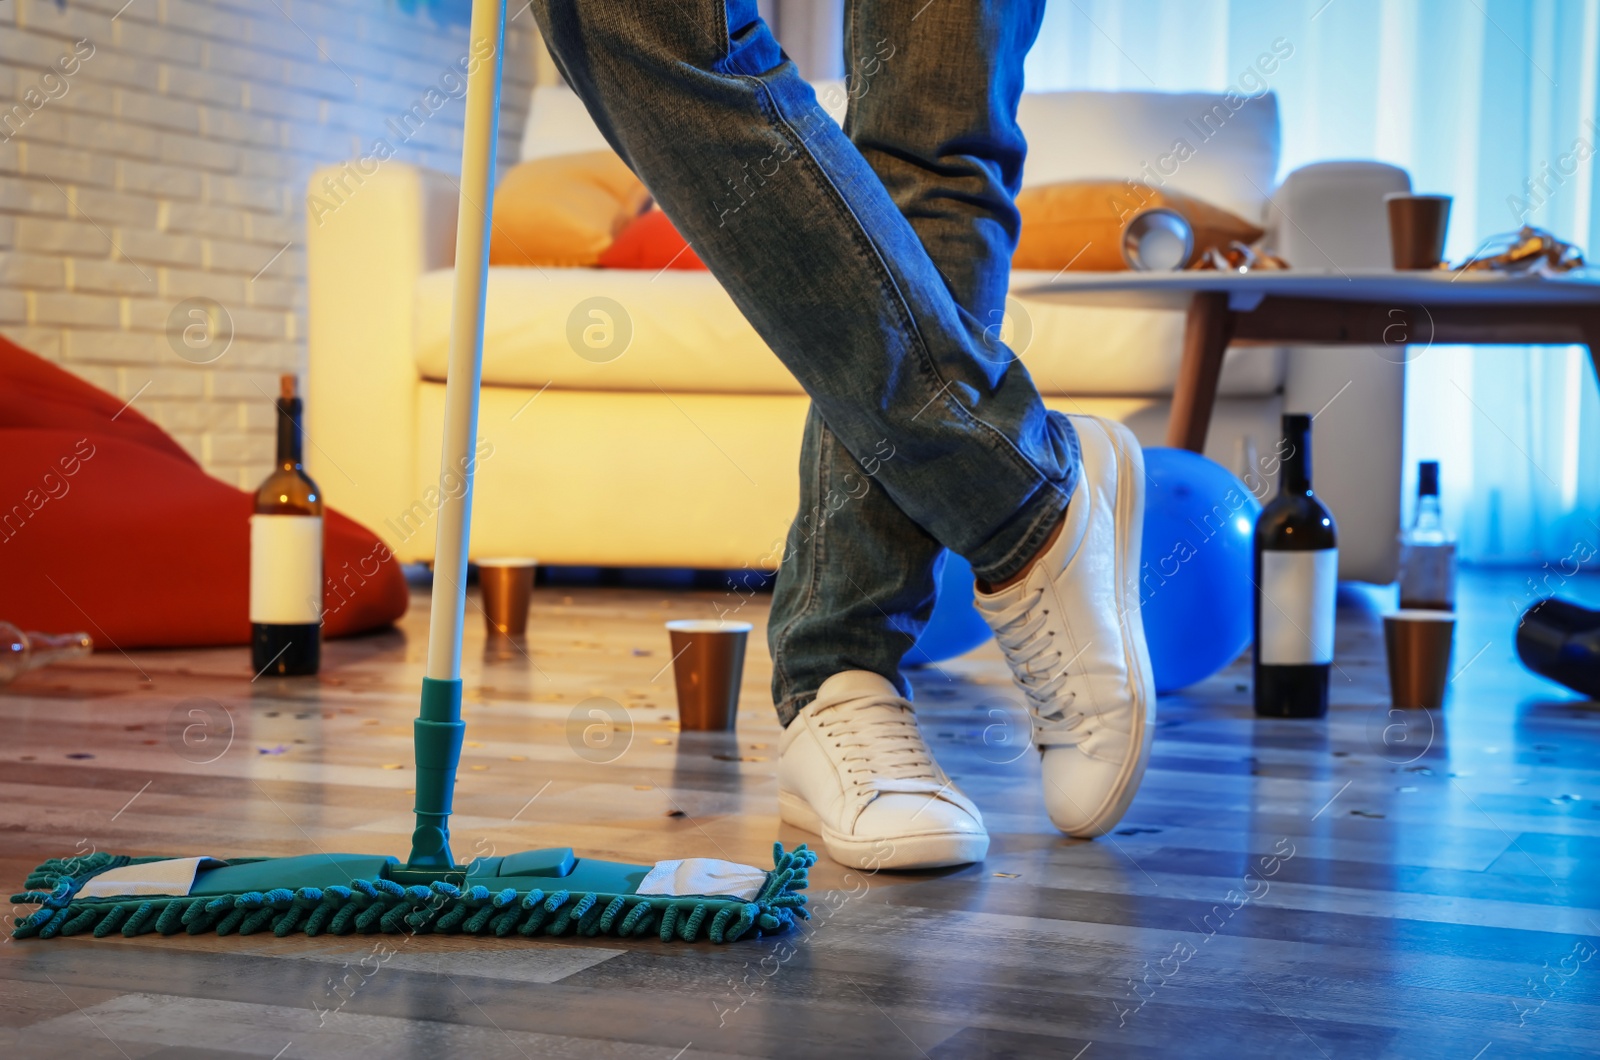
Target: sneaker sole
point(1129, 459)
point(934, 851)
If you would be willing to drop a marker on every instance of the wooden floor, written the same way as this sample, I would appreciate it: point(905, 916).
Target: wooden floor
point(1435, 893)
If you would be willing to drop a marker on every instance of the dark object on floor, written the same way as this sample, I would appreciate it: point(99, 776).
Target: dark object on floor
point(1560, 640)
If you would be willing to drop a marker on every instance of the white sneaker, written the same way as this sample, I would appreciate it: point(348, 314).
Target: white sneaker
point(1072, 633)
point(853, 769)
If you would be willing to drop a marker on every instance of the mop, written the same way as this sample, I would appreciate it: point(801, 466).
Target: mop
point(549, 892)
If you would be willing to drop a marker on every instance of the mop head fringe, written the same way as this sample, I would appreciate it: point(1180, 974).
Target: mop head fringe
point(363, 906)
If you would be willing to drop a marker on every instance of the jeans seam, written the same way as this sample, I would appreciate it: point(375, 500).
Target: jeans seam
point(813, 583)
point(905, 321)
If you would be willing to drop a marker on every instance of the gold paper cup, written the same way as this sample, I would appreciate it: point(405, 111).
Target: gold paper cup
point(1417, 226)
point(507, 587)
point(1418, 646)
point(708, 666)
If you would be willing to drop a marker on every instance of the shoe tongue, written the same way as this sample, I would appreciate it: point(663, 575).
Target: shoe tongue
point(855, 684)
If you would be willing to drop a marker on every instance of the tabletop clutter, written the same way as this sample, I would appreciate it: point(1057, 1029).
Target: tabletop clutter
point(1164, 238)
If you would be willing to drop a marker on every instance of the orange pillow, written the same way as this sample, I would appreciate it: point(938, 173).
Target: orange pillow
point(1081, 221)
point(563, 210)
point(650, 242)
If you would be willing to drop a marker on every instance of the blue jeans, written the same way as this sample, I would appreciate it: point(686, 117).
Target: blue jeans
point(874, 261)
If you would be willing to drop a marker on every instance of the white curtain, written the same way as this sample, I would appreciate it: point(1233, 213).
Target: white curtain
point(1475, 98)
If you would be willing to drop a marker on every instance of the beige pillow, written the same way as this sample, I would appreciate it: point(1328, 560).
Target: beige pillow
point(563, 210)
point(1080, 222)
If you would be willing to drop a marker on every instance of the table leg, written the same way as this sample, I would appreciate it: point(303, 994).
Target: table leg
point(1591, 338)
point(1206, 332)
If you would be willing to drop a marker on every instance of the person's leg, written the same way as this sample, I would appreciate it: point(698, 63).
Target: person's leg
point(801, 232)
point(855, 586)
point(696, 97)
point(944, 140)
point(938, 127)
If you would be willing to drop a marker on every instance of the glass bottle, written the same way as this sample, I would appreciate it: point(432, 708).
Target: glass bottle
point(1296, 577)
point(1427, 550)
point(23, 651)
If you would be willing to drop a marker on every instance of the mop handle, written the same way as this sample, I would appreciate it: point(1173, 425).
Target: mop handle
point(439, 728)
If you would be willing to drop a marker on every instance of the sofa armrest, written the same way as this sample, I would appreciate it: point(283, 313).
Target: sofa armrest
point(369, 237)
point(1326, 217)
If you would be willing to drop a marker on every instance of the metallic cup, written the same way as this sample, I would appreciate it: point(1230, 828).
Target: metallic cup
point(1157, 240)
point(708, 665)
point(1418, 646)
point(1417, 226)
point(507, 587)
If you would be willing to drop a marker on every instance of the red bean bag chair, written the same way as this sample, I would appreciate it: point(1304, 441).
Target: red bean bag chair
point(108, 526)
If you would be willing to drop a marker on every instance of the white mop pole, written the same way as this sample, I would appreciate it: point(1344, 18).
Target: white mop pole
point(466, 341)
point(439, 729)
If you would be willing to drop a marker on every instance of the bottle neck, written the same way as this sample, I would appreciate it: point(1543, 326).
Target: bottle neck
point(1296, 473)
point(289, 455)
point(47, 648)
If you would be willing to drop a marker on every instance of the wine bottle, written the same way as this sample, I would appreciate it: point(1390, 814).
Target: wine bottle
point(1427, 551)
point(286, 557)
point(1297, 570)
point(21, 651)
point(1560, 640)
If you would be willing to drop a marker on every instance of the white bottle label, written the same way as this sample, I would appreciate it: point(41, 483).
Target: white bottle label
point(285, 569)
point(1428, 575)
point(1297, 604)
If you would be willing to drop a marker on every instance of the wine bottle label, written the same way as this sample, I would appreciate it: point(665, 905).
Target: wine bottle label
point(1428, 575)
point(1297, 602)
point(285, 569)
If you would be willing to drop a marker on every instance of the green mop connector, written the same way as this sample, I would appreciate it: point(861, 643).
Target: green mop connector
point(438, 734)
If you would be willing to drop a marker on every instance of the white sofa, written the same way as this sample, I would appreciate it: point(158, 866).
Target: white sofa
point(683, 451)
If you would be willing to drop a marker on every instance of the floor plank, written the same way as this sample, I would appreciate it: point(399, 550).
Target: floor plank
point(1435, 893)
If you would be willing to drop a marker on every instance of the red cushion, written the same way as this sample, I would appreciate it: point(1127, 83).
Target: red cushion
point(111, 528)
point(650, 242)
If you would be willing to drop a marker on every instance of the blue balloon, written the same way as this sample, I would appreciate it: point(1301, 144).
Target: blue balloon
point(955, 627)
point(1195, 583)
point(1194, 580)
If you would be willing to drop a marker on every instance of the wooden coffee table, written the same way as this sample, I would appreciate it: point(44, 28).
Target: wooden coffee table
point(1354, 307)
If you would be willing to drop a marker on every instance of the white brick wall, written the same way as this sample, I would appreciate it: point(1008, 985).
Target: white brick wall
point(174, 166)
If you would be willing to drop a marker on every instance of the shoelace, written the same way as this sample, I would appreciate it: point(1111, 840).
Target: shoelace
point(1041, 669)
point(881, 745)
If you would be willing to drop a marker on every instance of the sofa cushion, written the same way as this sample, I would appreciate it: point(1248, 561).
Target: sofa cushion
point(650, 241)
point(684, 335)
point(1078, 224)
point(1221, 148)
point(591, 478)
point(563, 209)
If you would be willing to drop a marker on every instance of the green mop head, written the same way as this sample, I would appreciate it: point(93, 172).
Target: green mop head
point(548, 892)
